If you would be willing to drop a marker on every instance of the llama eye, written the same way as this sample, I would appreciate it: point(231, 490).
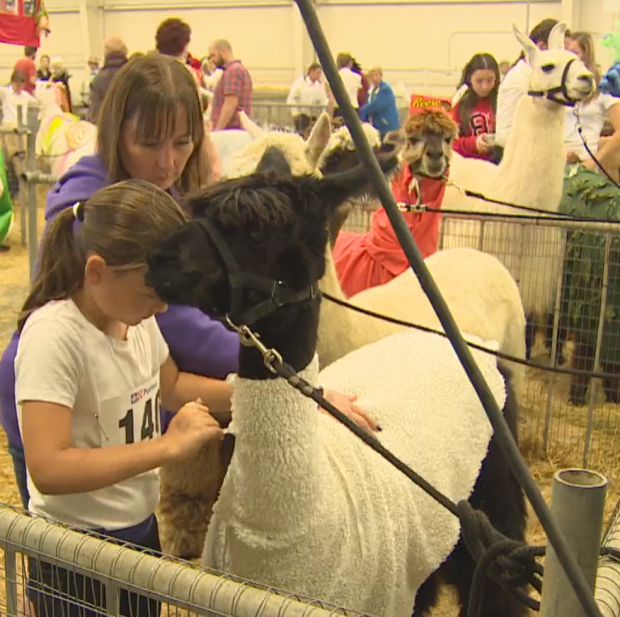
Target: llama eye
point(448, 140)
point(547, 68)
point(258, 236)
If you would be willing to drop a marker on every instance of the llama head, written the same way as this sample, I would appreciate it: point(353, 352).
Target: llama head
point(341, 155)
point(558, 76)
point(49, 97)
point(428, 137)
point(267, 227)
point(279, 151)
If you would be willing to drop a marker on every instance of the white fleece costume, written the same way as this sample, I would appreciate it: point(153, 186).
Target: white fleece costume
point(306, 506)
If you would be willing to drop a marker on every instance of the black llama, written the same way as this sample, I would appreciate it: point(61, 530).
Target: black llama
point(274, 228)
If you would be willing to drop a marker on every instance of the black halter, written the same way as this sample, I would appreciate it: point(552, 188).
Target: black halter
point(278, 292)
point(552, 93)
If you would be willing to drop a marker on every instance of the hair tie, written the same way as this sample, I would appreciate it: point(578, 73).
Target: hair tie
point(78, 211)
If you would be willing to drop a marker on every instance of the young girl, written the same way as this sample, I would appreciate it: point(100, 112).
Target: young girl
point(475, 110)
point(91, 370)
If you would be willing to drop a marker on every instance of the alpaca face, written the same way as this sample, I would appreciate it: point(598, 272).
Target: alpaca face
point(556, 67)
point(273, 226)
point(429, 136)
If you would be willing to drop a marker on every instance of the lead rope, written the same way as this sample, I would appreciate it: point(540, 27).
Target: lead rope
point(510, 563)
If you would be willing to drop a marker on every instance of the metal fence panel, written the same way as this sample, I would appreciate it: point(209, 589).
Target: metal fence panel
point(113, 579)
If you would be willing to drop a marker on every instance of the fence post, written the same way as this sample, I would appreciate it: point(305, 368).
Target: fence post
point(22, 183)
point(597, 350)
point(31, 190)
point(607, 592)
point(553, 353)
point(577, 504)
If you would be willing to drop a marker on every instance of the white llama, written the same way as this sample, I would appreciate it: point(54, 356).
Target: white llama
point(530, 174)
point(480, 292)
point(62, 139)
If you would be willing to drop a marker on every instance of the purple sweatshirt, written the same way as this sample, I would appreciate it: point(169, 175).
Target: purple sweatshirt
point(197, 343)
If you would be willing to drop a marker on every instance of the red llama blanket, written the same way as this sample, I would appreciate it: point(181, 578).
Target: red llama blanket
point(375, 258)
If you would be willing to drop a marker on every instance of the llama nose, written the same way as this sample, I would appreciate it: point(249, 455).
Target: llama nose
point(586, 78)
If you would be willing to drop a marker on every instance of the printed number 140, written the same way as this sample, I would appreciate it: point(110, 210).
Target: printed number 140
point(150, 421)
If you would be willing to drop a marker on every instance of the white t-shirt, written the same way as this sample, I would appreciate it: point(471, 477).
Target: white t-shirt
point(352, 83)
point(112, 386)
point(592, 116)
point(514, 86)
point(304, 91)
point(11, 101)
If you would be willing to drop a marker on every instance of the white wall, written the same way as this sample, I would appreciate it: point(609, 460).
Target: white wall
point(422, 43)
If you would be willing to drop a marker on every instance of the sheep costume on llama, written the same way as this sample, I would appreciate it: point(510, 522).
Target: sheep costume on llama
point(334, 520)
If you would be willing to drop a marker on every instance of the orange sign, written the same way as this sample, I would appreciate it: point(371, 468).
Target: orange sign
point(421, 101)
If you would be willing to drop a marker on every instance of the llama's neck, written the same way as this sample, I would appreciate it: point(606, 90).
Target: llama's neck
point(275, 469)
point(339, 327)
point(275, 474)
point(291, 331)
point(532, 166)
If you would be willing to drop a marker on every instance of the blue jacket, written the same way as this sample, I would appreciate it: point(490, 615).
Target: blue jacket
point(381, 109)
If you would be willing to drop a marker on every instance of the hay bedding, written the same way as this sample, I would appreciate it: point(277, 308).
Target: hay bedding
point(13, 287)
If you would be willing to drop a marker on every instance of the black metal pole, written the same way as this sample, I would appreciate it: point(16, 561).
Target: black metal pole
point(509, 446)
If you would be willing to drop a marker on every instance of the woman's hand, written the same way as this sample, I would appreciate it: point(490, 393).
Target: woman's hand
point(190, 429)
point(346, 404)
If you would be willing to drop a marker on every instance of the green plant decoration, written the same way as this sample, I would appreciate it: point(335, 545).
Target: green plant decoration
point(588, 194)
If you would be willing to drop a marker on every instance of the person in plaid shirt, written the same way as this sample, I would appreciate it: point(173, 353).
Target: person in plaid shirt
point(234, 90)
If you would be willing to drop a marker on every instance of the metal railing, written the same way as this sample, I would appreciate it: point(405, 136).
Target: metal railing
point(92, 576)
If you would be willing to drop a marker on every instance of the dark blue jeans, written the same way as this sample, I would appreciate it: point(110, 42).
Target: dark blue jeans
point(58, 592)
point(19, 467)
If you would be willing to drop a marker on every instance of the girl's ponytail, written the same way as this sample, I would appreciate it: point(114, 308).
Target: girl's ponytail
point(61, 268)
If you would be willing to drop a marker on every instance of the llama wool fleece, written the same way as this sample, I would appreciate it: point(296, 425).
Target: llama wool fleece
point(307, 507)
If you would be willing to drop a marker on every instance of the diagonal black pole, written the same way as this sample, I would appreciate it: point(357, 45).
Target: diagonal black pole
point(509, 446)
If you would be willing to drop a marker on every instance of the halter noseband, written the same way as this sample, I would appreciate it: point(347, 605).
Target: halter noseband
point(552, 93)
point(278, 292)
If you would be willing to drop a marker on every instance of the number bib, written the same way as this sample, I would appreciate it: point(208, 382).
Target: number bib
point(132, 417)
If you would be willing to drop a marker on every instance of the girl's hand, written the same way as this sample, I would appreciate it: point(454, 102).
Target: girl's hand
point(346, 404)
point(190, 429)
point(482, 144)
point(572, 157)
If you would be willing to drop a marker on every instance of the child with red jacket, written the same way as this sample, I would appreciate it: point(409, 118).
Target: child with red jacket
point(474, 107)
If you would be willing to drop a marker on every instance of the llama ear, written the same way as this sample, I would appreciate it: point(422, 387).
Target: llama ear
point(557, 36)
point(394, 140)
point(460, 93)
point(337, 188)
point(252, 128)
point(530, 49)
point(317, 142)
